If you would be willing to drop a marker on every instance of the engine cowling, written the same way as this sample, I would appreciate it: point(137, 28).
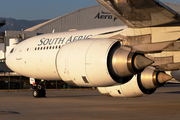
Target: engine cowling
point(98, 62)
point(142, 84)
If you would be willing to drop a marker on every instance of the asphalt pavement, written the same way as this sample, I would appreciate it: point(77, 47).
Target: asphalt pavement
point(164, 104)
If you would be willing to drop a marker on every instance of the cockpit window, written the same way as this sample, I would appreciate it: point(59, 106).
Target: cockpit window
point(12, 50)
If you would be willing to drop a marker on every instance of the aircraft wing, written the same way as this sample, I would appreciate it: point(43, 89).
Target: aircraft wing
point(142, 13)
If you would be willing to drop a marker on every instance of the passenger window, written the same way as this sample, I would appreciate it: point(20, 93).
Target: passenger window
point(56, 47)
point(38, 48)
point(59, 46)
point(50, 47)
point(44, 48)
point(12, 50)
point(47, 48)
point(27, 49)
point(35, 48)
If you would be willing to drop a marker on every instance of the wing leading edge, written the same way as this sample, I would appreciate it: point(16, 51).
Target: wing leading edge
point(142, 13)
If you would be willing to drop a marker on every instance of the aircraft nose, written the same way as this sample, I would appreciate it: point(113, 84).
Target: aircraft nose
point(9, 61)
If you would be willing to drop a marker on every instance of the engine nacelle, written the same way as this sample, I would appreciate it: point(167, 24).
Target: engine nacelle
point(98, 63)
point(142, 84)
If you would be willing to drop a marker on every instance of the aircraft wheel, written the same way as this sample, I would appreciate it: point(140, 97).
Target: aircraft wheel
point(36, 93)
point(42, 93)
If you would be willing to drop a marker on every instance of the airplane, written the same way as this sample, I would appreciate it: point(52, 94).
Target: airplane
point(122, 61)
point(2, 23)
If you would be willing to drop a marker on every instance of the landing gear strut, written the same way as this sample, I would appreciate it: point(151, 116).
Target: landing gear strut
point(39, 89)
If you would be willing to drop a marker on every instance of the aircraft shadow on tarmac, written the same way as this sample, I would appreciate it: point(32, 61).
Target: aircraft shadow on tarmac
point(8, 112)
point(171, 85)
point(174, 92)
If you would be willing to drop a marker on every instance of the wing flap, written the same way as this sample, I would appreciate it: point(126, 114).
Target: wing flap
point(152, 47)
point(141, 13)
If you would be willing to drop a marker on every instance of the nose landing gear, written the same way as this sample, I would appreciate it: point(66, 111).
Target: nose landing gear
point(39, 89)
point(39, 93)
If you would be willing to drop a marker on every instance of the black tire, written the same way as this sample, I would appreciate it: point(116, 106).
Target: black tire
point(42, 93)
point(39, 93)
point(36, 93)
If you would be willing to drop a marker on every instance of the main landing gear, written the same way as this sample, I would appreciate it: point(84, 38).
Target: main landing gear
point(39, 89)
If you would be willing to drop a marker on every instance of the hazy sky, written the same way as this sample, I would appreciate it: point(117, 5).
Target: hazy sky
point(40, 9)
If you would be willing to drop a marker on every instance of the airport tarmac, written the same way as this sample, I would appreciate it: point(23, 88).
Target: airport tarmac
point(164, 104)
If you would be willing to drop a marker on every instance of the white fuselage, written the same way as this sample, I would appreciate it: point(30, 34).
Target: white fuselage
point(36, 56)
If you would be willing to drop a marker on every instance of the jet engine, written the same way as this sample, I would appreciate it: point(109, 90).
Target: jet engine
point(142, 84)
point(98, 63)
